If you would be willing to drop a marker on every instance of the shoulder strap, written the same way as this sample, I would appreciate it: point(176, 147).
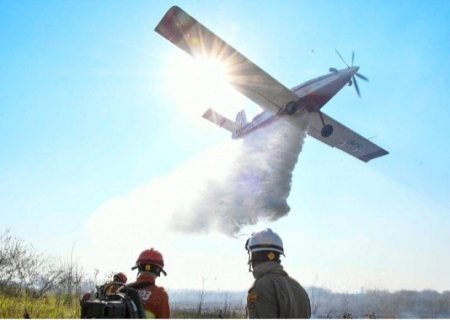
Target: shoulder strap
point(141, 285)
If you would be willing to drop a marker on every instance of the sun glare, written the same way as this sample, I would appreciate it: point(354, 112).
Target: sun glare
point(194, 85)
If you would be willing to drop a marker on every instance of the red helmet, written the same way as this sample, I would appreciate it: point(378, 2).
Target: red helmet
point(86, 296)
point(120, 277)
point(150, 257)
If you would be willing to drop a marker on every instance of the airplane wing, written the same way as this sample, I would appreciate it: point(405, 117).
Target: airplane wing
point(190, 35)
point(344, 138)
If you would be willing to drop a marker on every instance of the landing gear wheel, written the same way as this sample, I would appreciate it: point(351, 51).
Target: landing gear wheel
point(291, 107)
point(327, 130)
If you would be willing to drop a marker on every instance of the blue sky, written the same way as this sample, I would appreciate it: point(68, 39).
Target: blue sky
point(100, 124)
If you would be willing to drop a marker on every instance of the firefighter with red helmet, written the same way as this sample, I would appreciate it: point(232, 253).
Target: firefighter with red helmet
point(155, 300)
point(274, 294)
point(119, 279)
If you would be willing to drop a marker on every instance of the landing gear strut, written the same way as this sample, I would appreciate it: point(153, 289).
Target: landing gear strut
point(327, 129)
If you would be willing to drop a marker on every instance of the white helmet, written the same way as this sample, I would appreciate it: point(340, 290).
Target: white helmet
point(265, 240)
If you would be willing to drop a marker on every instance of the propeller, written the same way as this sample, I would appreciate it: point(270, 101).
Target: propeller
point(359, 75)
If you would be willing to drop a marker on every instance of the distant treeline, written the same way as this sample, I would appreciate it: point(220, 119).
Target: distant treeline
point(380, 304)
point(36, 285)
point(25, 270)
point(328, 304)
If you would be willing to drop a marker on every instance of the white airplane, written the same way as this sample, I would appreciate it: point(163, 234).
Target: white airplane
point(303, 102)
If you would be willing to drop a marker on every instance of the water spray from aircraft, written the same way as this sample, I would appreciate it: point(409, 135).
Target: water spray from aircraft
point(256, 186)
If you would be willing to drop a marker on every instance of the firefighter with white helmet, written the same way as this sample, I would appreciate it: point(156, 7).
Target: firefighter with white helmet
point(274, 294)
point(155, 300)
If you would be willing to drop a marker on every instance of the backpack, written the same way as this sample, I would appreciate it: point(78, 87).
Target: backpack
point(123, 304)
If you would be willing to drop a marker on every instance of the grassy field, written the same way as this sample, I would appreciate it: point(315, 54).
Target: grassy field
point(46, 307)
point(53, 307)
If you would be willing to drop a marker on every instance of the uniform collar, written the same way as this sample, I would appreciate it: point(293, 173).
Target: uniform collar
point(146, 277)
point(267, 267)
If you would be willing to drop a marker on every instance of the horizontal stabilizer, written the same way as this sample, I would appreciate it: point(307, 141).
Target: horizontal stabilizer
point(220, 120)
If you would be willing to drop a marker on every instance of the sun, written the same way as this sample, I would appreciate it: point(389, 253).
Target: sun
point(196, 84)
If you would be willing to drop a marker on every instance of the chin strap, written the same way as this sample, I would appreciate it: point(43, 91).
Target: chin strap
point(150, 268)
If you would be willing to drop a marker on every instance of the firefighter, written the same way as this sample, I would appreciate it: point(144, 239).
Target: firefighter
point(274, 294)
point(119, 279)
point(155, 300)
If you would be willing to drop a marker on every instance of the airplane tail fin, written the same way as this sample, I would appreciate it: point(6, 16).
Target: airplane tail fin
point(241, 119)
point(221, 120)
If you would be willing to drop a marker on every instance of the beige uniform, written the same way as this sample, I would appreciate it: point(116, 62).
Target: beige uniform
point(276, 295)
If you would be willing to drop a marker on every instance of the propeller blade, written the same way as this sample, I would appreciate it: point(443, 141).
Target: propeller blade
point(359, 75)
point(341, 58)
point(356, 86)
point(353, 57)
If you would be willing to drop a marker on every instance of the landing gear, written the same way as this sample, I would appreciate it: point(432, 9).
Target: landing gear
point(291, 107)
point(311, 106)
point(307, 103)
point(327, 129)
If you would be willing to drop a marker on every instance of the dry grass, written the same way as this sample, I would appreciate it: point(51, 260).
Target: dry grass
point(46, 307)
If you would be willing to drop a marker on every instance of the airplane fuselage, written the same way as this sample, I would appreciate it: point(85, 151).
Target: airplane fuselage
point(313, 95)
point(300, 106)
